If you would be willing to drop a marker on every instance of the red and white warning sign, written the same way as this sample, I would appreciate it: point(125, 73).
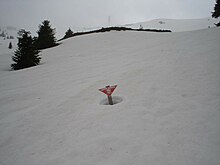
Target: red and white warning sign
point(108, 90)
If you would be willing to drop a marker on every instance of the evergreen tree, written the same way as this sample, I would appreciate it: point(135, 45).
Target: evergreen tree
point(26, 54)
point(10, 46)
point(46, 38)
point(216, 12)
point(69, 33)
point(3, 34)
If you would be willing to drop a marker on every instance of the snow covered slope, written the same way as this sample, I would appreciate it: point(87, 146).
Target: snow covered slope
point(52, 114)
point(177, 25)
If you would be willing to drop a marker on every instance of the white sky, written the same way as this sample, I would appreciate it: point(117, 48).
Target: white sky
point(62, 14)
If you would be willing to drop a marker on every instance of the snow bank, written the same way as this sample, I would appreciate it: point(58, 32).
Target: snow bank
point(169, 83)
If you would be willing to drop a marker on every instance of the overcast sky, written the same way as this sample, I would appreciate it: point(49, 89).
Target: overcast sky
point(62, 14)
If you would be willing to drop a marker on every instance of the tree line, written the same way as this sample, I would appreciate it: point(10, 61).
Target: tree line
point(27, 53)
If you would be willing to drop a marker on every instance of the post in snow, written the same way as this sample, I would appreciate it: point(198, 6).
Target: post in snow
point(108, 90)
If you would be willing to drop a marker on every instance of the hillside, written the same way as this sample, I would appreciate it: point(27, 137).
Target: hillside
point(8, 32)
point(177, 25)
point(168, 84)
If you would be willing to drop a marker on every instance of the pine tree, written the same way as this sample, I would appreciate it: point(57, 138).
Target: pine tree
point(26, 54)
point(46, 38)
point(10, 46)
point(3, 34)
point(68, 34)
point(216, 12)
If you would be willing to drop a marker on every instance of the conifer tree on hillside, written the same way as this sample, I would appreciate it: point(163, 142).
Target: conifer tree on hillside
point(46, 38)
point(69, 33)
point(26, 54)
point(216, 12)
point(3, 34)
point(10, 46)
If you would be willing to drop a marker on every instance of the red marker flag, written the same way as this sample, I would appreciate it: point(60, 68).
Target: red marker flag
point(108, 90)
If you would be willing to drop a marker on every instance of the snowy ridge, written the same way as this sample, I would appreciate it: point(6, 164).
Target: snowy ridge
point(177, 25)
point(169, 114)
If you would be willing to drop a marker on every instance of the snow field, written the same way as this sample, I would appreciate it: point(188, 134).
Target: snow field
point(169, 114)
